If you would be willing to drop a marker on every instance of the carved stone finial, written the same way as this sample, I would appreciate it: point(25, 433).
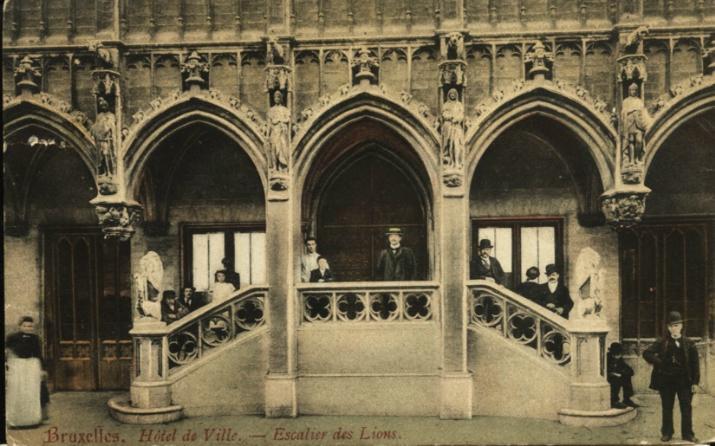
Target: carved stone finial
point(624, 208)
point(28, 76)
point(538, 61)
point(365, 68)
point(195, 71)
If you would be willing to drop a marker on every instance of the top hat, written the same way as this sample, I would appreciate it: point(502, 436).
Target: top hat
point(397, 231)
point(674, 317)
point(615, 349)
point(485, 243)
point(551, 268)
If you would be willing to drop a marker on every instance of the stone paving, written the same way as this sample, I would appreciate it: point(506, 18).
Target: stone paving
point(81, 418)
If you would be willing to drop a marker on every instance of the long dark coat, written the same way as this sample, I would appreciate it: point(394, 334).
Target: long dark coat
point(560, 297)
point(400, 265)
point(661, 352)
point(477, 270)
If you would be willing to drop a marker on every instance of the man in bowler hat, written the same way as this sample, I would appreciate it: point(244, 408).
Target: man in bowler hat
point(676, 371)
point(485, 266)
point(531, 288)
point(397, 262)
point(554, 294)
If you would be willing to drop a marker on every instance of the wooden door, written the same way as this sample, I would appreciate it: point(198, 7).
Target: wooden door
point(368, 196)
point(87, 310)
point(663, 268)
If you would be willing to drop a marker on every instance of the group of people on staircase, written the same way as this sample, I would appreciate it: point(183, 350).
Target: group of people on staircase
point(553, 294)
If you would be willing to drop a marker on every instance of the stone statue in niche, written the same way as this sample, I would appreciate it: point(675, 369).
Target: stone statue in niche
point(149, 286)
point(590, 278)
point(103, 130)
point(278, 134)
point(634, 121)
point(452, 131)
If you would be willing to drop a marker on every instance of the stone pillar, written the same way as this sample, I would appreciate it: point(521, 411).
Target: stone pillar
point(624, 204)
point(116, 212)
point(280, 383)
point(456, 381)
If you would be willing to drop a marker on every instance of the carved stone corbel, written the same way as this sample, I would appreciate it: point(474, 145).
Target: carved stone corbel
point(624, 208)
point(117, 218)
point(28, 76)
point(453, 83)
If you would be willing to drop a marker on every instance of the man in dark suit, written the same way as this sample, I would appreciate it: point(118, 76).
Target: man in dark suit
point(232, 276)
point(554, 295)
point(531, 288)
point(485, 266)
point(322, 272)
point(676, 371)
point(397, 262)
point(191, 299)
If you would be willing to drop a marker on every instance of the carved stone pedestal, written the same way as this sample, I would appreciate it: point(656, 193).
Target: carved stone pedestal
point(116, 216)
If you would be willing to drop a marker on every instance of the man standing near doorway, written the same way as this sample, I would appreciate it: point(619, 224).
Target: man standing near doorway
point(676, 371)
point(309, 260)
point(397, 262)
point(486, 266)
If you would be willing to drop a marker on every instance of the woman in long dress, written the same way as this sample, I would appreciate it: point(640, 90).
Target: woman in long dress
point(221, 289)
point(26, 394)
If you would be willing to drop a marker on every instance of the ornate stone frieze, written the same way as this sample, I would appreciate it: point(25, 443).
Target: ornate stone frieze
point(159, 105)
point(683, 88)
point(517, 88)
point(538, 61)
point(194, 72)
point(366, 67)
point(53, 103)
point(624, 208)
point(28, 76)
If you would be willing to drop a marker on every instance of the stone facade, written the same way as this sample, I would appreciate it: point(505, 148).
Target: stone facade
point(109, 98)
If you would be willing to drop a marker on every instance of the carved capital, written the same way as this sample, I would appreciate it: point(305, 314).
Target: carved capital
point(539, 60)
point(28, 76)
point(195, 72)
point(365, 67)
point(117, 218)
point(277, 78)
point(624, 207)
point(632, 68)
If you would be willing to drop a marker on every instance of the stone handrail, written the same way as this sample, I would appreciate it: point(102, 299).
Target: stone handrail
point(520, 320)
point(368, 302)
point(191, 337)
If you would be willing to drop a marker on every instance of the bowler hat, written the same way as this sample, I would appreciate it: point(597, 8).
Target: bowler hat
point(397, 231)
point(674, 317)
point(485, 243)
point(551, 268)
point(169, 294)
point(615, 349)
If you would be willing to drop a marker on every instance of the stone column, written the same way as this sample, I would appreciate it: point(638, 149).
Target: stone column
point(117, 213)
point(280, 383)
point(456, 382)
point(624, 204)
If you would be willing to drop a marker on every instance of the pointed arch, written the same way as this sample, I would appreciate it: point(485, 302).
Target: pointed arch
point(408, 118)
point(53, 115)
point(166, 116)
point(693, 98)
point(571, 107)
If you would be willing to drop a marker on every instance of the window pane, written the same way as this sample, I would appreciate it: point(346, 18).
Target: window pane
point(242, 244)
point(501, 239)
point(207, 253)
point(538, 248)
point(258, 257)
point(250, 257)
